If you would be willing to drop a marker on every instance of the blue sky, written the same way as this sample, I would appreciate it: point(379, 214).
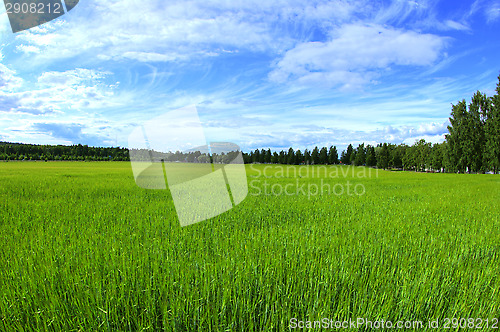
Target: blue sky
point(261, 73)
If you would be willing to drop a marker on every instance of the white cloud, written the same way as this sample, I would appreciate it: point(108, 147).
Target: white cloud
point(54, 92)
point(152, 57)
point(493, 12)
point(490, 9)
point(74, 77)
point(399, 10)
point(354, 53)
point(150, 31)
point(27, 49)
point(456, 25)
point(9, 80)
point(169, 31)
point(409, 134)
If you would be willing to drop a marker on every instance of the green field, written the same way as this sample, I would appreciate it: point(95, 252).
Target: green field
point(85, 249)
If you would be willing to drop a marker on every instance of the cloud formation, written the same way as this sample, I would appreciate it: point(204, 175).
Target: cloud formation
point(54, 91)
point(353, 54)
point(493, 12)
point(8, 78)
point(253, 67)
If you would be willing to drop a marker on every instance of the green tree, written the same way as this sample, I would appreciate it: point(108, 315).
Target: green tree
point(275, 158)
point(466, 135)
point(456, 136)
point(323, 156)
point(255, 156)
point(479, 110)
point(437, 156)
point(333, 156)
point(383, 157)
point(371, 159)
point(299, 158)
point(353, 157)
point(262, 158)
point(492, 132)
point(290, 157)
point(423, 151)
point(410, 158)
point(315, 155)
point(283, 157)
point(397, 154)
point(360, 155)
point(307, 157)
point(346, 155)
point(268, 156)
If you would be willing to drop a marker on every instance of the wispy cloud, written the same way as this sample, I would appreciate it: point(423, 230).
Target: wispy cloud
point(153, 30)
point(493, 12)
point(489, 9)
point(454, 25)
point(397, 12)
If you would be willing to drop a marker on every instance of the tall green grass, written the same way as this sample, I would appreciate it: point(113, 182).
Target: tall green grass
point(82, 248)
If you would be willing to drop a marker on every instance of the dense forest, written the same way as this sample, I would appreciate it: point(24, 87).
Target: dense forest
point(472, 145)
point(16, 151)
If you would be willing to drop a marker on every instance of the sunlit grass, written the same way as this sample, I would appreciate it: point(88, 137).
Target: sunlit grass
point(83, 248)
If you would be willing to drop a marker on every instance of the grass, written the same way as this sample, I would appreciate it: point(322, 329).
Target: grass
point(82, 248)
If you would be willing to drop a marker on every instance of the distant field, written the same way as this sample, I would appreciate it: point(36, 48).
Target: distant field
point(83, 248)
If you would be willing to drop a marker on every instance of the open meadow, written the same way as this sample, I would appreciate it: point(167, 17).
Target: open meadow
point(83, 248)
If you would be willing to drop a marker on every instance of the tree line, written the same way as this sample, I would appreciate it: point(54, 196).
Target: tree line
point(187, 157)
point(16, 151)
point(422, 156)
point(472, 145)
